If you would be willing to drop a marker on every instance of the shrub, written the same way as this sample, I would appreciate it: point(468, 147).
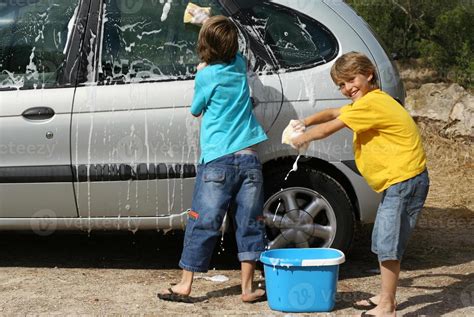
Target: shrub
point(438, 31)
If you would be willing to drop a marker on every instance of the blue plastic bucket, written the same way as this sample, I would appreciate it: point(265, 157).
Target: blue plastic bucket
point(302, 280)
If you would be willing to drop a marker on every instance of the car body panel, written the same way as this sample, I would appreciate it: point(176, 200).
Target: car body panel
point(24, 143)
point(131, 125)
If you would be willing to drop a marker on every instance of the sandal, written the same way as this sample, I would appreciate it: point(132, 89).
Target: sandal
point(175, 297)
point(370, 304)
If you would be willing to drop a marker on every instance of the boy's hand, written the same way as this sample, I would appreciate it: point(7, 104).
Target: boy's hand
point(295, 129)
point(298, 125)
point(299, 141)
point(199, 15)
point(201, 65)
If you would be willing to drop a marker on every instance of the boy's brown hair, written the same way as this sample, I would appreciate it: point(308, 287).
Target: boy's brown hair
point(350, 64)
point(218, 40)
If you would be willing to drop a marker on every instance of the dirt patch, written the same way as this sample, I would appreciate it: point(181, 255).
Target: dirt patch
point(111, 274)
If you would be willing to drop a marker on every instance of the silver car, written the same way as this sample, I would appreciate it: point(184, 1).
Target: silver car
point(95, 128)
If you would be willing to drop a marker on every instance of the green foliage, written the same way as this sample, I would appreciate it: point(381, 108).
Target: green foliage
point(439, 32)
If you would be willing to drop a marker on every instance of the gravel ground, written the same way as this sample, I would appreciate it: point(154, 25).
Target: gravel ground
point(117, 274)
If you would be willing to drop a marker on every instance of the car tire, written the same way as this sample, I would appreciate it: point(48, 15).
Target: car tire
point(313, 209)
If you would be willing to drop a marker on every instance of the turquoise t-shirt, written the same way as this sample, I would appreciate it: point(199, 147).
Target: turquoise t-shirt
point(222, 95)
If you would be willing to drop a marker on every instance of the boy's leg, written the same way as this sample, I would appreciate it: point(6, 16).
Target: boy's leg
point(249, 224)
point(396, 218)
point(248, 294)
point(386, 304)
point(211, 199)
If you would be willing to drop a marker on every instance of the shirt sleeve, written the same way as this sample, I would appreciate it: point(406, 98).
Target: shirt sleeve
point(358, 116)
point(202, 94)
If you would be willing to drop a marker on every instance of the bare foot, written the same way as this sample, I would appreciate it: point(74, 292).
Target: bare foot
point(178, 289)
point(253, 296)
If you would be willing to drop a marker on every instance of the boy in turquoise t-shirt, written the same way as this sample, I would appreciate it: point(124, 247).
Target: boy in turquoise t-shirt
point(229, 171)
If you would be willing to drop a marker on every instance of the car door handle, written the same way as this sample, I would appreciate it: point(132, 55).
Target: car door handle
point(38, 113)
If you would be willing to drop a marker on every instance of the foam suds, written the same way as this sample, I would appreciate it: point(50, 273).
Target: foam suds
point(278, 207)
point(216, 278)
point(295, 167)
point(166, 10)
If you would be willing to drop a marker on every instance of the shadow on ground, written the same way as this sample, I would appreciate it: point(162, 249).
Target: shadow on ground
point(124, 250)
point(155, 250)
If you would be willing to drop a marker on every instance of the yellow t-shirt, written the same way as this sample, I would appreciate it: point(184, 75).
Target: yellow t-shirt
point(387, 144)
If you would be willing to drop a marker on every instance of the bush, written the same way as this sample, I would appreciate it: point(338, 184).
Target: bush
point(439, 32)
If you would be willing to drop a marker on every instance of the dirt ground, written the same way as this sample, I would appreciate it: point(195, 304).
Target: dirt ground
point(120, 274)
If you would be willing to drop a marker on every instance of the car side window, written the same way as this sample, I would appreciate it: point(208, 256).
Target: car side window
point(148, 41)
point(296, 40)
point(33, 40)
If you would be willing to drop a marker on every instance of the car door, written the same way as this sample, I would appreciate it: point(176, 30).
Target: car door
point(39, 41)
point(135, 145)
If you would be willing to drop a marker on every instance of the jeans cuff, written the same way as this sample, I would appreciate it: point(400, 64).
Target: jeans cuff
point(388, 257)
point(192, 268)
point(249, 256)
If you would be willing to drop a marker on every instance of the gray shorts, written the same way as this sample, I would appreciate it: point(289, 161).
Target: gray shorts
point(397, 215)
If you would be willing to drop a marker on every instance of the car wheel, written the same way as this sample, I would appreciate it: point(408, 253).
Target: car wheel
point(309, 209)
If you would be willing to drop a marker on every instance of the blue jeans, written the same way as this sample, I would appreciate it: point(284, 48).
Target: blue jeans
point(397, 215)
point(231, 179)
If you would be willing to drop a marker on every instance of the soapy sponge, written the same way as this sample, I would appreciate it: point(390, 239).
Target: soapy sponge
point(195, 14)
point(294, 128)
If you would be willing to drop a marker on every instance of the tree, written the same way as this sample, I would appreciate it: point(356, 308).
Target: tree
point(439, 32)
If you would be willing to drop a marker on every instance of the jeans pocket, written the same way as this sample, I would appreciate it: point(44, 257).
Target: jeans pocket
point(255, 176)
point(214, 174)
point(418, 198)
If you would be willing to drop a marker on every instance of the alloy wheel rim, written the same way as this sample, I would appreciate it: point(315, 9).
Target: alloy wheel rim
point(299, 217)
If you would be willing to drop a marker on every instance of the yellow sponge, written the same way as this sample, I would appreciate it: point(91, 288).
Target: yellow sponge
point(188, 18)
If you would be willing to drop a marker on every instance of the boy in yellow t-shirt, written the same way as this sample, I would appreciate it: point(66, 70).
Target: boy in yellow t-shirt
point(388, 153)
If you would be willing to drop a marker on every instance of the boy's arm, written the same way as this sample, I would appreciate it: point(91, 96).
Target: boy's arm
point(202, 93)
point(325, 115)
point(319, 132)
point(199, 100)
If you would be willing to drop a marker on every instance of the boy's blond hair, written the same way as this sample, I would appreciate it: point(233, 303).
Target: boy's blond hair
point(351, 64)
point(218, 40)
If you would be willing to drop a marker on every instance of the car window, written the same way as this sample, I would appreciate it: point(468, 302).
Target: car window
point(148, 41)
point(33, 38)
point(296, 40)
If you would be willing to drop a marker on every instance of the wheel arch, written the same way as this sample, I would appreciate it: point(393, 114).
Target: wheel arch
point(324, 166)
